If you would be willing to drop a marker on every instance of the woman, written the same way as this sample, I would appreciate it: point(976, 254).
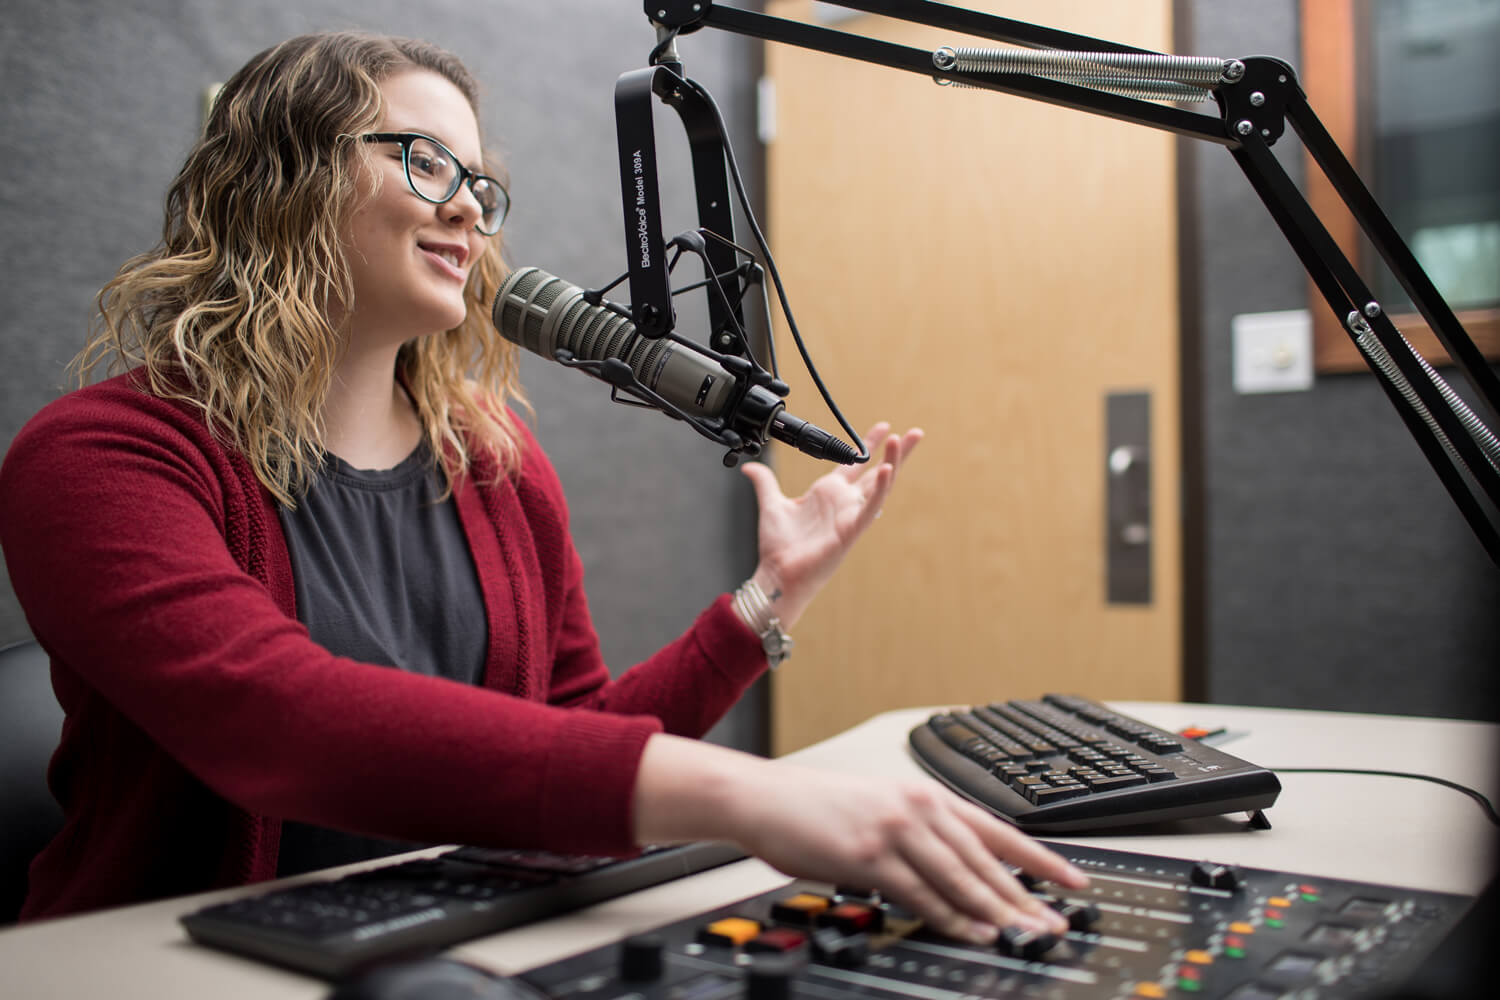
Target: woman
point(310, 474)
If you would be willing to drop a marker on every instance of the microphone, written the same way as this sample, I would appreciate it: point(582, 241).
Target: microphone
point(546, 314)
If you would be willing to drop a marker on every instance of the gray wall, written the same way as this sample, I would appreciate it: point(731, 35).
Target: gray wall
point(1339, 573)
point(103, 100)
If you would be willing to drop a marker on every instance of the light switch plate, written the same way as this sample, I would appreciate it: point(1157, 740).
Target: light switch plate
point(1272, 351)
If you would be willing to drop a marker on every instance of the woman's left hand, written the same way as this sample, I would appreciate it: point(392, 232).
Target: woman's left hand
point(802, 541)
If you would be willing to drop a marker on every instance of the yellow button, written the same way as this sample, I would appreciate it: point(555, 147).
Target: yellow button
point(1278, 901)
point(1198, 957)
point(732, 931)
point(1240, 927)
point(1153, 990)
point(807, 901)
point(801, 908)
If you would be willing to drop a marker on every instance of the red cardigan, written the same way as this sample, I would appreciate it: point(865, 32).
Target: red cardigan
point(152, 568)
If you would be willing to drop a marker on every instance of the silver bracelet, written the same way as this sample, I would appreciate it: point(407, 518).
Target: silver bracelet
point(754, 609)
point(754, 606)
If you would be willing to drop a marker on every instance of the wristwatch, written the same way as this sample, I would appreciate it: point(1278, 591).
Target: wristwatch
point(776, 643)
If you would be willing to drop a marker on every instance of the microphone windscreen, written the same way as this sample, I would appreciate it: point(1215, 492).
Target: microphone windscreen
point(522, 305)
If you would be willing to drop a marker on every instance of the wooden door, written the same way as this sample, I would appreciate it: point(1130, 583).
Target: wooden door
point(990, 269)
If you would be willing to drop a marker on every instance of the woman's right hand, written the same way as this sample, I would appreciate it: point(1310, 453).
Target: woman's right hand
point(913, 840)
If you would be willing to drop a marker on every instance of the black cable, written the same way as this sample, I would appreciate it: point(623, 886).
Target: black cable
point(760, 241)
point(1484, 803)
point(662, 46)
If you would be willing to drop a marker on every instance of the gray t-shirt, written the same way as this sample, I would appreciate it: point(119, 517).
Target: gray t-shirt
point(383, 575)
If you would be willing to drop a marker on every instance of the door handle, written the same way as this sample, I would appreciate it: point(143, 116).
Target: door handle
point(1127, 477)
point(1130, 478)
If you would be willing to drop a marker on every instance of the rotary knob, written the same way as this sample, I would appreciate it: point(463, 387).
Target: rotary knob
point(769, 977)
point(642, 958)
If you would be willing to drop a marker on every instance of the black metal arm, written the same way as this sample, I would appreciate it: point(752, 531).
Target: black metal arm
point(1257, 97)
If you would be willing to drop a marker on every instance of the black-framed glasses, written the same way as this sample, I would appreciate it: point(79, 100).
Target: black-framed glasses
point(434, 174)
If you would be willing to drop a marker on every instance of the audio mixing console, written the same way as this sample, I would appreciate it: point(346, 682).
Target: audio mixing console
point(1146, 927)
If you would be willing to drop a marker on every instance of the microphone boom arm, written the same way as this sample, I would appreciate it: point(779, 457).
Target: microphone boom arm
point(1257, 97)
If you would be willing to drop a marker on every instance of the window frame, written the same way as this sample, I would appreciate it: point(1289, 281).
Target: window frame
point(1332, 33)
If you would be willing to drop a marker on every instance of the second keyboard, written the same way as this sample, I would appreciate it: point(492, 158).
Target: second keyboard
point(1066, 764)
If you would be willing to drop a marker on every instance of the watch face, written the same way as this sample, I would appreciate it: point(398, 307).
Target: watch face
point(776, 643)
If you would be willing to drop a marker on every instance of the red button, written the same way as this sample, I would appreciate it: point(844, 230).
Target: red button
point(851, 918)
point(777, 939)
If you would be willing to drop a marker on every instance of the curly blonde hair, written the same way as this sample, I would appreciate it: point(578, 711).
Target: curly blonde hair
point(230, 311)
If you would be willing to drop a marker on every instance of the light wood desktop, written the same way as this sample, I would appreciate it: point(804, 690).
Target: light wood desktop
point(1376, 829)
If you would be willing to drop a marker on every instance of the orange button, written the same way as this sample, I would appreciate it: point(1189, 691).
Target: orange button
point(1154, 991)
point(1198, 957)
point(1278, 901)
point(731, 931)
point(802, 908)
point(1240, 927)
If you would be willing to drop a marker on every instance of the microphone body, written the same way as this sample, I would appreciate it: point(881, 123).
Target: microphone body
point(545, 314)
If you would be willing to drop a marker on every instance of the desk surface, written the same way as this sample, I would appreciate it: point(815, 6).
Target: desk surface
point(1375, 829)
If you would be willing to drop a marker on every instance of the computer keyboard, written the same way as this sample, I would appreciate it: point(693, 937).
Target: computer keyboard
point(412, 908)
point(1067, 764)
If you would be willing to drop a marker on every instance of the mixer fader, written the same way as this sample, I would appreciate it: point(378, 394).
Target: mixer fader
point(1146, 927)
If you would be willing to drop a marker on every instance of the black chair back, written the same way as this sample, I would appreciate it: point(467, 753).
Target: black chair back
point(30, 723)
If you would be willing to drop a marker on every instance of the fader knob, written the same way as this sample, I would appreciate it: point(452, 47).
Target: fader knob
point(1018, 942)
point(641, 958)
point(1216, 876)
point(1081, 915)
point(832, 946)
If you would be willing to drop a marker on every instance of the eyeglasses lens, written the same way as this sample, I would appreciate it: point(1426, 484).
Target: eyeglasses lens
point(436, 176)
point(433, 173)
point(494, 202)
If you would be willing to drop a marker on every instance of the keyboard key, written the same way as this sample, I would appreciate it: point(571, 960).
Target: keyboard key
point(954, 733)
point(1041, 796)
point(1111, 782)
